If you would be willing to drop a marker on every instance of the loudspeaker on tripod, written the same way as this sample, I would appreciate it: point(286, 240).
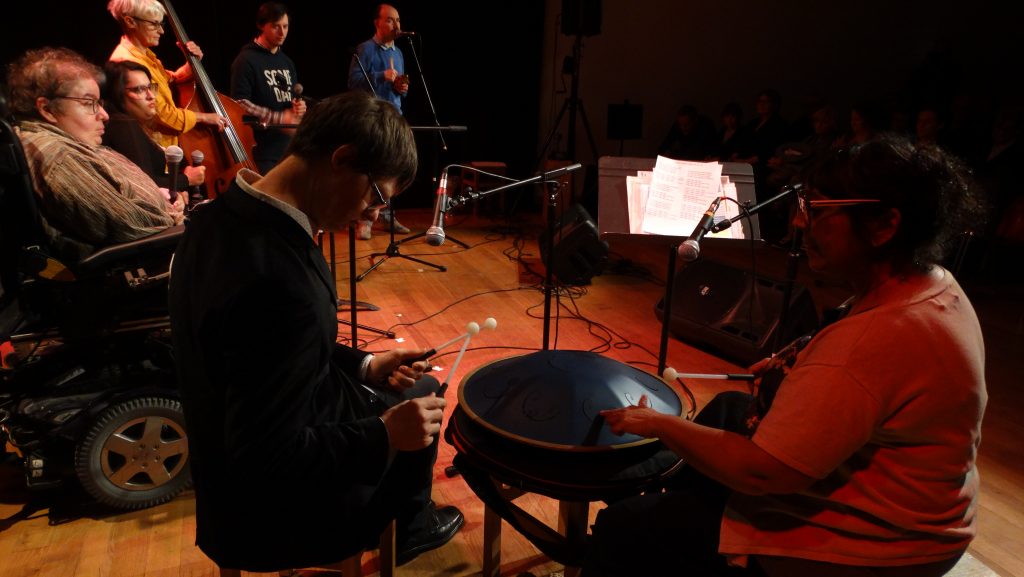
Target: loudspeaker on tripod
point(579, 252)
point(733, 313)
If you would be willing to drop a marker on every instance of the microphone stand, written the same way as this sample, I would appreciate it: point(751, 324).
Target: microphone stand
point(392, 250)
point(550, 179)
point(439, 130)
point(792, 264)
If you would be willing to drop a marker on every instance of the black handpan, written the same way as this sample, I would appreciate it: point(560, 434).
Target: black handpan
point(552, 399)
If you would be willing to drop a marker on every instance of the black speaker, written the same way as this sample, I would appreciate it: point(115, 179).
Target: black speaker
point(581, 17)
point(579, 252)
point(733, 313)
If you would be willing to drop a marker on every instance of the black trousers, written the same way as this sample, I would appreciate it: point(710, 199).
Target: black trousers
point(404, 494)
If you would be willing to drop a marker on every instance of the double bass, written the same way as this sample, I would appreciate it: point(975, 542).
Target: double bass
point(227, 151)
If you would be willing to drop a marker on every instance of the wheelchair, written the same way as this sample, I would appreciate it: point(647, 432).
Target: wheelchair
point(88, 388)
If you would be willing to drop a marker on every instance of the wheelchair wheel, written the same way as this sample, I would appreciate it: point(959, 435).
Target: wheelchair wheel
point(135, 455)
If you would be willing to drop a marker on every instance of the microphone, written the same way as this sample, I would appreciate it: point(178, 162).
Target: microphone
point(690, 249)
point(297, 91)
point(198, 193)
point(172, 156)
point(435, 234)
point(402, 33)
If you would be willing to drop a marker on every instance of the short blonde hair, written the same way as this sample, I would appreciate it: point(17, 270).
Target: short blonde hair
point(147, 9)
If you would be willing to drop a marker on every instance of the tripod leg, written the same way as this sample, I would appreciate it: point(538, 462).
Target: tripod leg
point(410, 237)
point(372, 267)
point(456, 241)
point(551, 135)
point(586, 127)
point(392, 251)
point(383, 332)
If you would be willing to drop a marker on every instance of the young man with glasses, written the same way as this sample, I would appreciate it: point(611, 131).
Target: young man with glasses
point(142, 25)
point(864, 464)
point(263, 80)
point(302, 449)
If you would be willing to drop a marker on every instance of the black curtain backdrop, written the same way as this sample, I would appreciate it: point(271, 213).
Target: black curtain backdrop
point(481, 72)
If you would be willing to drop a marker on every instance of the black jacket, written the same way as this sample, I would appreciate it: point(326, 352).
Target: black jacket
point(283, 439)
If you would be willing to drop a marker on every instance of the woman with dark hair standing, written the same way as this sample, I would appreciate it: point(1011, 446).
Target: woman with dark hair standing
point(864, 462)
point(131, 104)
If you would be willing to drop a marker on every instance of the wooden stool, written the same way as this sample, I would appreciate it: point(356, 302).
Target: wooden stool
point(352, 566)
point(477, 181)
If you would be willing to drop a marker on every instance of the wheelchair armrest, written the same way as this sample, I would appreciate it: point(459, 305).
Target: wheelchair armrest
point(106, 257)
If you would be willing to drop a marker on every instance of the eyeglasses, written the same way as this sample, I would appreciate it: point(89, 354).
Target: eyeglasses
point(141, 90)
point(381, 201)
point(152, 23)
point(806, 205)
point(93, 104)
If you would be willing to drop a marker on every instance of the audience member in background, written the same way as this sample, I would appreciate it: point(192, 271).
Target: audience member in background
point(765, 133)
point(303, 460)
point(929, 127)
point(862, 462)
point(263, 80)
point(784, 167)
point(385, 77)
point(89, 195)
point(732, 136)
point(690, 137)
point(131, 104)
point(866, 122)
point(142, 25)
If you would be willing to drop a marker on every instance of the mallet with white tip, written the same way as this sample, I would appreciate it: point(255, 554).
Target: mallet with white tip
point(670, 374)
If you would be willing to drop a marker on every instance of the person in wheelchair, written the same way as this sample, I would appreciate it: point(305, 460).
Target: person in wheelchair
point(303, 449)
point(89, 195)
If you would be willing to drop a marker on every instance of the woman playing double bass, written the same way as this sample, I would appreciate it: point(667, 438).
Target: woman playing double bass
point(142, 24)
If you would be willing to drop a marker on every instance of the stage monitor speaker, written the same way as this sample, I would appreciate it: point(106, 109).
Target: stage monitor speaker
point(733, 314)
point(579, 252)
point(581, 17)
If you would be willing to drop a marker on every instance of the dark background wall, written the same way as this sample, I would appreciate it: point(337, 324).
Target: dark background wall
point(497, 67)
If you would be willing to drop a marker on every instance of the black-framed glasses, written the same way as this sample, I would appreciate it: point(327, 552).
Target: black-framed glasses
point(152, 23)
point(381, 201)
point(806, 205)
point(141, 90)
point(93, 104)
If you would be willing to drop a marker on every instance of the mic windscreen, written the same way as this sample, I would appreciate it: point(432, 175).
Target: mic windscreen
point(173, 154)
point(197, 157)
point(689, 250)
point(297, 90)
point(434, 236)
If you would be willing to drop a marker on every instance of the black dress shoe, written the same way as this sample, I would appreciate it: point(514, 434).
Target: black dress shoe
point(445, 523)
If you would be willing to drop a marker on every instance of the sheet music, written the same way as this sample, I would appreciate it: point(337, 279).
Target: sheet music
point(637, 191)
point(678, 195)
